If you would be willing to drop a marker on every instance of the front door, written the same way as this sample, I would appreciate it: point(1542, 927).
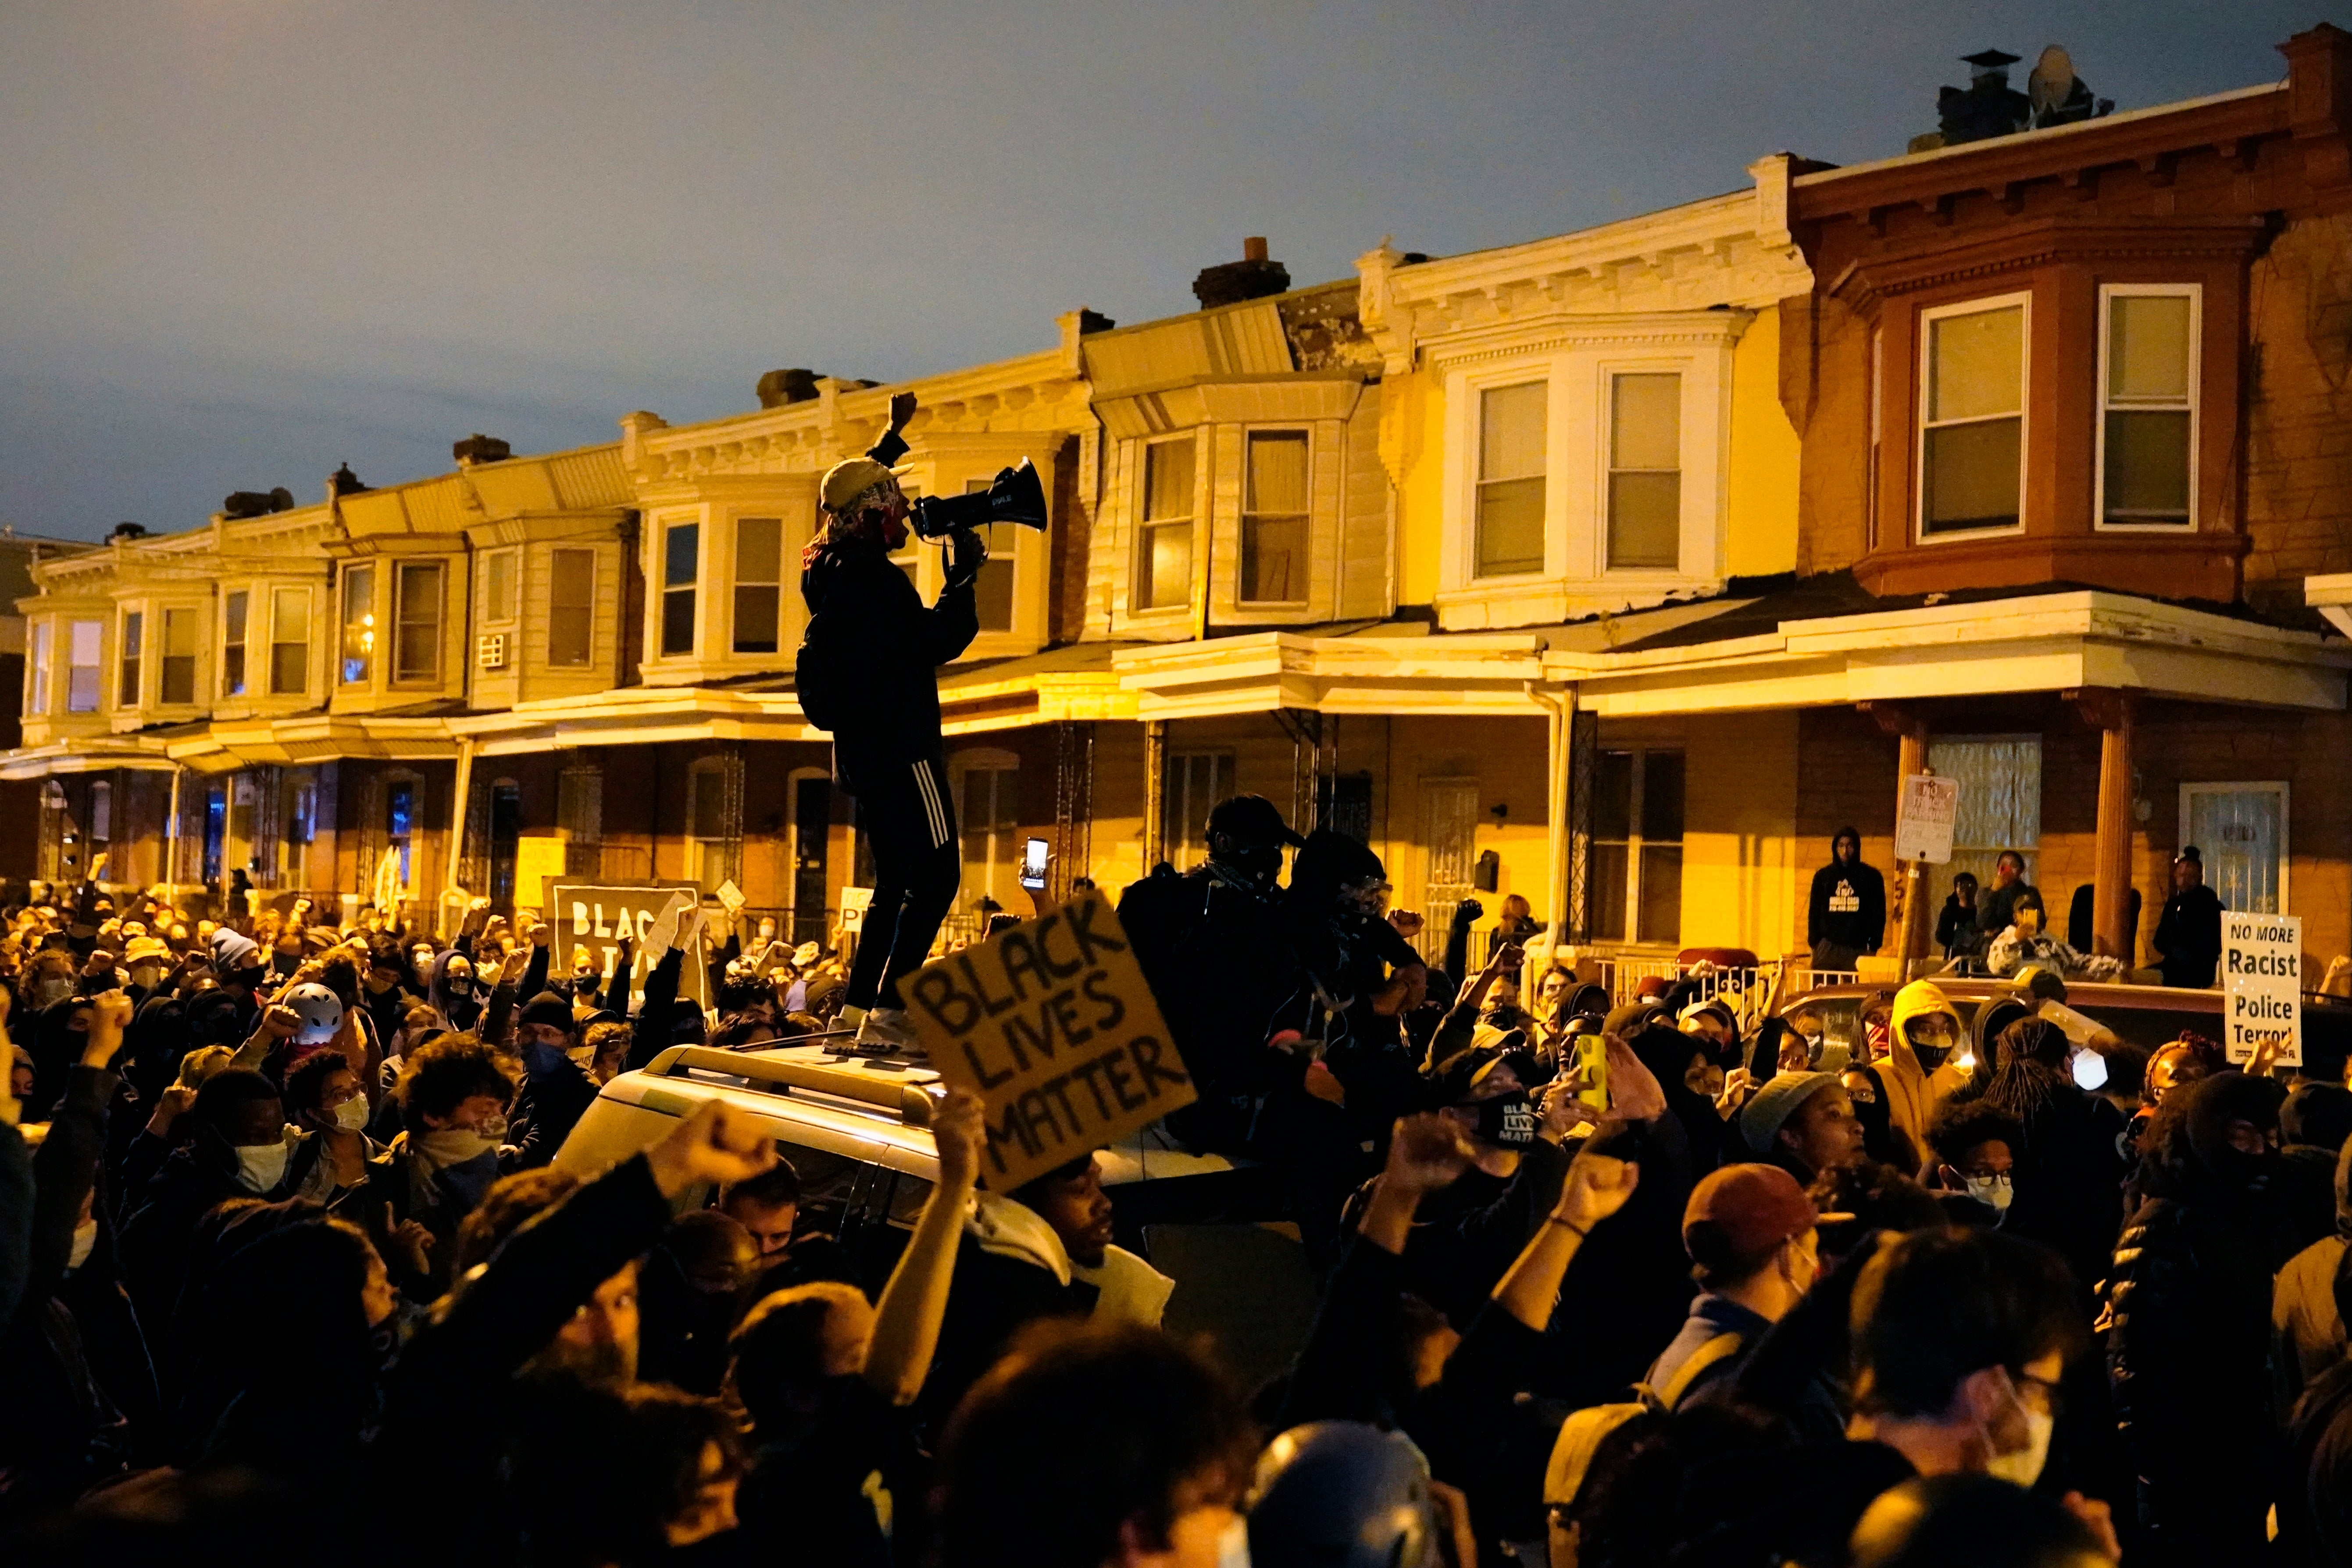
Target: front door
point(811, 825)
point(506, 827)
point(2240, 829)
point(1449, 826)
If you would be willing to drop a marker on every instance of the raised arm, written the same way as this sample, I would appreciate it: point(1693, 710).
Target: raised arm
point(906, 1319)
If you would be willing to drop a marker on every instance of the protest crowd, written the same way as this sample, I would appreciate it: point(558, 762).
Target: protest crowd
point(288, 1272)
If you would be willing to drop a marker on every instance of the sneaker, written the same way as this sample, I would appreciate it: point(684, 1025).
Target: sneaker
point(886, 1026)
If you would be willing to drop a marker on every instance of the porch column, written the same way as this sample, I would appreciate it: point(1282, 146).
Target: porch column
point(1907, 899)
point(449, 884)
point(171, 877)
point(2112, 711)
point(1155, 780)
point(1559, 718)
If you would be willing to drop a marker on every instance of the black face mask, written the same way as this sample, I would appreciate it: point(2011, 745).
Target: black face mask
point(1507, 1119)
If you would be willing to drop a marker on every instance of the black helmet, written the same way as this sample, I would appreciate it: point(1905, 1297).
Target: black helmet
point(1340, 1494)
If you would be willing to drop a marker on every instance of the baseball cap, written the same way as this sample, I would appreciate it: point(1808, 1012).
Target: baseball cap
point(1738, 1213)
point(140, 947)
point(1252, 820)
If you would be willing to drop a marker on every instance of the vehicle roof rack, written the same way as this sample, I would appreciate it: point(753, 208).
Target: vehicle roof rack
point(907, 1100)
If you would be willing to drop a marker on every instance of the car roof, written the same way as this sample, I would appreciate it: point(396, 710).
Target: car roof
point(2081, 995)
point(862, 1107)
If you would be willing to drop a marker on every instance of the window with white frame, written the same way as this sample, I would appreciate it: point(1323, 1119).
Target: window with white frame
point(759, 584)
point(1636, 894)
point(81, 666)
point(37, 670)
point(681, 569)
point(358, 625)
point(710, 828)
point(2148, 406)
point(1509, 523)
point(233, 625)
point(1195, 782)
point(1972, 416)
point(129, 645)
point(1645, 470)
point(1163, 537)
point(991, 808)
point(1273, 518)
point(416, 646)
point(499, 571)
point(570, 608)
point(290, 642)
point(177, 672)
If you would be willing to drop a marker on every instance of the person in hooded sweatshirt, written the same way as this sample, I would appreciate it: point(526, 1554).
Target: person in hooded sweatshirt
point(2306, 1312)
point(1924, 1034)
point(455, 991)
point(1846, 915)
point(2066, 1179)
point(1043, 1251)
point(556, 1089)
point(2189, 1352)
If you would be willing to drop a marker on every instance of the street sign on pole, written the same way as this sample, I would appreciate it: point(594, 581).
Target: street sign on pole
point(1923, 818)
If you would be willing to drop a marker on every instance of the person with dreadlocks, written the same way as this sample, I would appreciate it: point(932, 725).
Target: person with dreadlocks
point(868, 671)
point(2067, 1176)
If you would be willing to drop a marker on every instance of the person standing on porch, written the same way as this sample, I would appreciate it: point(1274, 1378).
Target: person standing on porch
point(1846, 916)
point(1995, 910)
point(2189, 932)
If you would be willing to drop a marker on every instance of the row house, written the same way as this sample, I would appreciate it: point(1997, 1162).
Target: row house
point(1617, 569)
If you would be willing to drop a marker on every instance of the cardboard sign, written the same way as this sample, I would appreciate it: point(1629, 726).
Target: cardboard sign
point(1923, 818)
point(599, 916)
point(855, 903)
point(1051, 1024)
point(2262, 984)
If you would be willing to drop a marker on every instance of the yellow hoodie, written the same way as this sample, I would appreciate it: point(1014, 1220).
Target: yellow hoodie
point(1913, 1094)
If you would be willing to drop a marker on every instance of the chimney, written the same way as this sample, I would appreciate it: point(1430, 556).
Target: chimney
point(127, 530)
point(480, 448)
point(1251, 277)
point(779, 387)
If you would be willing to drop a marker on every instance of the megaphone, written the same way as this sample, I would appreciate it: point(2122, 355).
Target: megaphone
point(1016, 495)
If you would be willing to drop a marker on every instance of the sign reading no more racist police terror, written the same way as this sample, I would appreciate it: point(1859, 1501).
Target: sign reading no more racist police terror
point(1051, 1024)
point(2262, 985)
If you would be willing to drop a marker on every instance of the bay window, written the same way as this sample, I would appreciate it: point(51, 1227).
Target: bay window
point(82, 667)
point(233, 621)
point(1163, 550)
point(178, 671)
point(1510, 508)
point(759, 582)
point(416, 614)
point(570, 608)
point(134, 627)
point(1645, 470)
point(359, 625)
point(36, 670)
point(681, 569)
point(290, 642)
point(1273, 518)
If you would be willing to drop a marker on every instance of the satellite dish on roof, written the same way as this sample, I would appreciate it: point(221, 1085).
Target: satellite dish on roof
point(2053, 80)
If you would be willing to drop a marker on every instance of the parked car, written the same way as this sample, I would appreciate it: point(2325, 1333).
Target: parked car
point(858, 1131)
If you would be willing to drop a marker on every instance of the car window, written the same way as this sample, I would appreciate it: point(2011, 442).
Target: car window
point(2153, 1027)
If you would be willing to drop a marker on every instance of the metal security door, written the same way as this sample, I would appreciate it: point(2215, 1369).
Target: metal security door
point(811, 822)
point(2241, 828)
point(1449, 830)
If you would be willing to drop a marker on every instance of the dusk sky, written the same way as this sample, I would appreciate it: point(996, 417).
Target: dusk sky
point(242, 241)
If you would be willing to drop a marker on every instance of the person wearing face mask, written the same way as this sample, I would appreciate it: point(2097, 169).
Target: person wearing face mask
point(2189, 1353)
point(330, 1165)
point(1972, 1145)
point(240, 1148)
point(60, 1431)
point(454, 991)
point(1924, 1036)
point(149, 962)
point(453, 1095)
point(2067, 1175)
point(1755, 1249)
point(1960, 1343)
point(556, 1088)
point(1202, 939)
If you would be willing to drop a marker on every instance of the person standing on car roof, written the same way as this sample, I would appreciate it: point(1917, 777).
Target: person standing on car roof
point(868, 671)
point(1204, 941)
point(1846, 916)
point(2188, 931)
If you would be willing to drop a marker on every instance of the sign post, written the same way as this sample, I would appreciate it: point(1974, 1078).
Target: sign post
point(1051, 1024)
point(2262, 984)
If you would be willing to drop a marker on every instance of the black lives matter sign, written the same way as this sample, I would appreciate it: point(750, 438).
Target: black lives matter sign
point(1051, 1024)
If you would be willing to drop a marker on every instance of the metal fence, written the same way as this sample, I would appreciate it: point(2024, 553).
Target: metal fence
point(1746, 990)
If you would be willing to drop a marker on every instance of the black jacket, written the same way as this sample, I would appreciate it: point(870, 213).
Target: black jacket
point(870, 659)
point(2189, 934)
point(1848, 907)
point(991, 1297)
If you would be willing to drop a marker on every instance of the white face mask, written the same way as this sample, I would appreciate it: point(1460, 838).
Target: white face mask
point(85, 1240)
point(261, 1169)
point(1994, 1189)
point(1233, 1546)
point(352, 1114)
point(2023, 1467)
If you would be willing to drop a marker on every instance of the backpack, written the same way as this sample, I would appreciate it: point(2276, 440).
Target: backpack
point(817, 673)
